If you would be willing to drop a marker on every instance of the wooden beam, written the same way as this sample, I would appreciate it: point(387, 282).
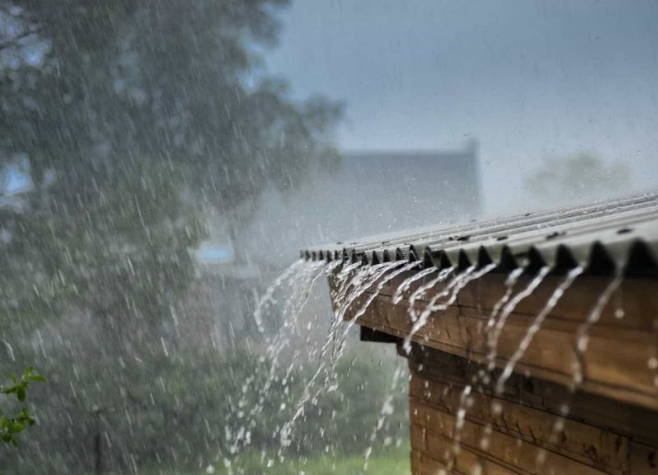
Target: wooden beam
point(617, 362)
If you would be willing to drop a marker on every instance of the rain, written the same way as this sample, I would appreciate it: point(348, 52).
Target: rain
point(297, 237)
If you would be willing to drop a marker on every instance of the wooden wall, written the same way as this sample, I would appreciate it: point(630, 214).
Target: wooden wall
point(621, 360)
point(518, 432)
point(612, 422)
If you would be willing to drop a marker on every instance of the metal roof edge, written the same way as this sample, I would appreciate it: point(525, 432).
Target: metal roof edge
point(600, 237)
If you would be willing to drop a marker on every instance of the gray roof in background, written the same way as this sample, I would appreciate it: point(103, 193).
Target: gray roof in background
point(619, 234)
point(368, 193)
point(405, 187)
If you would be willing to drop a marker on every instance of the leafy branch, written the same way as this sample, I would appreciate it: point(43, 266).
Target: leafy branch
point(12, 425)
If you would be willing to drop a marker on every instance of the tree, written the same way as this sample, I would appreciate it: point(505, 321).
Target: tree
point(578, 178)
point(136, 106)
point(132, 120)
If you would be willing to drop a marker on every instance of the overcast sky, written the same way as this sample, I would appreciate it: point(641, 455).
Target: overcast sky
point(528, 79)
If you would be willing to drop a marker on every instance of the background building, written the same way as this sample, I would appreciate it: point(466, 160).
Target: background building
point(369, 193)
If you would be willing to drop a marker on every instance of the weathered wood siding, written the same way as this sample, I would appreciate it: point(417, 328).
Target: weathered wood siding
point(612, 425)
point(621, 356)
point(515, 432)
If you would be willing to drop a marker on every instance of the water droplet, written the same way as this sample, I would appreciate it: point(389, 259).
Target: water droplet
point(582, 343)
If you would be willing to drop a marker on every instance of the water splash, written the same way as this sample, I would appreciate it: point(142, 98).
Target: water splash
point(508, 304)
point(381, 279)
point(340, 346)
point(468, 276)
point(536, 326)
point(359, 283)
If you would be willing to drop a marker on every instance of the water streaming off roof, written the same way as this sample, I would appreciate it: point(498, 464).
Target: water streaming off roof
point(163, 162)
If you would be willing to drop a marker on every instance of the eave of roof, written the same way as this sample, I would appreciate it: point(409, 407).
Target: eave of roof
point(601, 237)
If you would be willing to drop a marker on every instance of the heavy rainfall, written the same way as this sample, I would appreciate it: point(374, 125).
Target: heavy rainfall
point(163, 164)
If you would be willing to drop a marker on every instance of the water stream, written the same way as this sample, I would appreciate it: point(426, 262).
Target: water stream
point(465, 400)
point(268, 297)
point(298, 281)
point(421, 291)
point(362, 281)
point(362, 310)
point(406, 284)
point(482, 377)
point(536, 326)
point(507, 311)
point(355, 287)
point(510, 282)
point(579, 349)
point(385, 411)
point(451, 291)
point(582, 334)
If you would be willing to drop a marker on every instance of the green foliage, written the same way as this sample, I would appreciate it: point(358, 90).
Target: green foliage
point(393, 461)
point(135, 121)
point(142, 118)
point(11, 426)
point(389, 461)
point(177, 411)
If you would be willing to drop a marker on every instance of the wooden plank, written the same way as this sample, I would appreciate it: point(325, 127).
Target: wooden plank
point(421, 464)
point(637, 297)
point(585, 443)
point(605, 413)
point(468, 461)
point(614, 392)
point(644, 460)
point(616, 362)
point(418, 441)
point(612, 425)
point(500, 448)
point(368, 334)
point(631, 421)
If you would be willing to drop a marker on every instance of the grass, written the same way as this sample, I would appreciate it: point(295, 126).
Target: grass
point(391, 462)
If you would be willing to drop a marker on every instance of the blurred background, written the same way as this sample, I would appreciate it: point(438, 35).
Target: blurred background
point(161, 163)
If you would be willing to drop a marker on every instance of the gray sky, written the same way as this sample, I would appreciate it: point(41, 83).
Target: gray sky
point(528, 79)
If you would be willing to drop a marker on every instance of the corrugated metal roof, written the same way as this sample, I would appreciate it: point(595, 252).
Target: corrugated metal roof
point(602, 237)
